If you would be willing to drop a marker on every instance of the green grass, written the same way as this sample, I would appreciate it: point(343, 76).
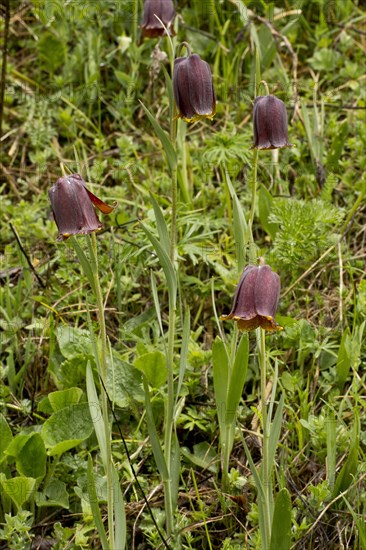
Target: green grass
point(76, 74)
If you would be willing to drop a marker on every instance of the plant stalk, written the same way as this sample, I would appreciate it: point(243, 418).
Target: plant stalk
point(252, 249)
point(265, 469)
point(169, 414)
point(103, 374)
point(169, 406)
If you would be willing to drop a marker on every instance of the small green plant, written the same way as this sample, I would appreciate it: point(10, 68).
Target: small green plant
point(16, 531)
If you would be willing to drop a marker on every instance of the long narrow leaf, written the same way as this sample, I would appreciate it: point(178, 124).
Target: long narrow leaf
point(85, 263)
point(281, 523)
point(169, 88)
point(161, 225)
point(120, 527)
point(259, 486)
point(253, 469)
point(331, 429)
point(175, 469)
point(344, 358)
point(237, 379)
point(348, 471)
point(153, 434)
point(167, 266)
point(275, 432)
point(96, 413)
point(220, 362)
point(183, 352)
point(164, 138)
point(93, 501)
point(273, 393)
point(156, 302)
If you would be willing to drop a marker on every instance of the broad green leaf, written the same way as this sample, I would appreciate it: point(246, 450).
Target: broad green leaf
point(161, 225)
point(124, 382)
point(62, 398)
point(94, 505)
point(16, 444)
point(73, 342)
point(220, 362)
point(69, 374)
point(153, 366)
point(96, 414)
point(55, 494)
point(204, 456)
point(5, 435)
point(281, 523)
point(31, 460)
point(19, 489)
point(265, 201)
point(167, 266)
point(120, 527)
point(164, 138)
point(237, 379)
point(67, 427)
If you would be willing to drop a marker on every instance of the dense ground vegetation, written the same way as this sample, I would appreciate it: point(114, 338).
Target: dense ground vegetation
point(76, 75)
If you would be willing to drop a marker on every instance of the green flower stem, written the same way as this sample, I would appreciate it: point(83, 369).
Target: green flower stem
point(169, 408)
point(252, 249)
point(173, 229)
point(174, 177)
point(93, 250)
point(169, 414)
point(266, 467)
point(184, 183)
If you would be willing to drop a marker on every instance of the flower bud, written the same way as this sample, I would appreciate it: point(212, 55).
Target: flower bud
point(164, 10)
point(193, 88)
point(256, 299)
point(72, 207)
point(270, 123)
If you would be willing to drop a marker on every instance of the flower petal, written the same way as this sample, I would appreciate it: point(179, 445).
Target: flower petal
point(267, 292)
point(102, 206)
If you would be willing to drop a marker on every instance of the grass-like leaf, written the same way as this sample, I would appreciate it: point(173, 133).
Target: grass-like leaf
point(220, 362)
point(161, 225)
point(93, 502)
point(275, 431)
point(281, 523)
point(120, 527)
point(171, 155)
point(166, 264)
point(96, 413)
